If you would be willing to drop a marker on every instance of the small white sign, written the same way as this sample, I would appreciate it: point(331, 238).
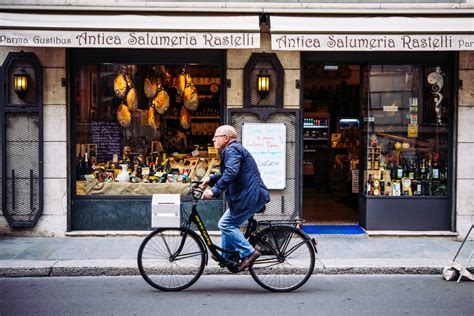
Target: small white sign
point(267, 144)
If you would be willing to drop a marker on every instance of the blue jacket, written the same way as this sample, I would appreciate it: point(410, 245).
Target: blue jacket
point(240, 179)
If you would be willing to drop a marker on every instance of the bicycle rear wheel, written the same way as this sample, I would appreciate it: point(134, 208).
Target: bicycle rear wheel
point(171, 259)
point(287, 259)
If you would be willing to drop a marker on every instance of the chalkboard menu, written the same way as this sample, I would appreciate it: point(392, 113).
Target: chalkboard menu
point(267, 144)
point(107, 136)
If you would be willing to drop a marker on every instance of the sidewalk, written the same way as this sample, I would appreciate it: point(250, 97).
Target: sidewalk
point(338, 254)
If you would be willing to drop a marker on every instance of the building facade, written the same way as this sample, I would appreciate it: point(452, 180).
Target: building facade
point(373, 101)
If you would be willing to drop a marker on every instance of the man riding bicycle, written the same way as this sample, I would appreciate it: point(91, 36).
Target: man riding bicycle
point(245, 191)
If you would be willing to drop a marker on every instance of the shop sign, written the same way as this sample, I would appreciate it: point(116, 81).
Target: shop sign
point(98, 39)
point(371, 42)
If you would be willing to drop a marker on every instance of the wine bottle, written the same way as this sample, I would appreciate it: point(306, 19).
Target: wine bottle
point(376, 161)
point(369, 160)
point(417, 171)
point(85, 164)
point(79, 168)
point(435, 170)
point(423, 170)
point(399, 171)
point(411, 170)
point(393, 172)
point(369, 185)
point(382, 184)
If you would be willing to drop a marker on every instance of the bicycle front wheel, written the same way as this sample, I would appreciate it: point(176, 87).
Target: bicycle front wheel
point(171, 259)
point(287, 259)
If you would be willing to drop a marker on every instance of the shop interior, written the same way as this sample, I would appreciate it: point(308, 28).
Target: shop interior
point(331, 143)
point(145, 125)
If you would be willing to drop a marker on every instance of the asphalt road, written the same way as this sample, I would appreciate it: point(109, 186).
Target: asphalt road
point(238, 295)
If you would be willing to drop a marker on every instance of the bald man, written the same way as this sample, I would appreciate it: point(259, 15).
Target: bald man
point(246, 194)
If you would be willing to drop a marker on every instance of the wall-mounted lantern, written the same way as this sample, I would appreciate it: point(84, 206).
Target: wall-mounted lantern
point(21, 100)
point(20, 82)
point(263, 82)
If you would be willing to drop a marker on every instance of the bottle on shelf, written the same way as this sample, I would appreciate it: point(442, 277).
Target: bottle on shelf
point(370, 187)
point(85, 164)
point(393, 172)
point(369, 158)
point(79, 167)
point(423, 170)
point(411, 170)
point(435, 170)
point(376, 161)
point(382, 183)
point(400, 171)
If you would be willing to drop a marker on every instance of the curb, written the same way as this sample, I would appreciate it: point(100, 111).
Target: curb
point(61, 270)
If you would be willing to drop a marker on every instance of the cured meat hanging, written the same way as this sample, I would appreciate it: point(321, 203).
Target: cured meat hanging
point(153, 119)
point(120, 85)
point(132, 99)
point(161, 101)
point(190, 97)
point(124, 117)
point(184, 118)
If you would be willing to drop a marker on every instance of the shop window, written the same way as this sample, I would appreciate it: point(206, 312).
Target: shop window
point(144, 129)
point(407, 141)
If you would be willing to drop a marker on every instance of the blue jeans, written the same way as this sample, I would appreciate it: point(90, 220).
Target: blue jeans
point(232, 238)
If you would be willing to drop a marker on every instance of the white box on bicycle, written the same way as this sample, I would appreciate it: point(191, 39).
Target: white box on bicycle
point(165, 210)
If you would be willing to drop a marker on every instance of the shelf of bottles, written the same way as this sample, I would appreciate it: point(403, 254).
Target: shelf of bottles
point(153, 168)
point(315, 129)
point(424, 175)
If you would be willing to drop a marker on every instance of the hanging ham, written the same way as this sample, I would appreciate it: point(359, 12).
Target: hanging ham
point(161, 102)
point(184, 118)
point(165, 76)
point(150, 85)
point(120, 85)
point(181, 82)
point(153, 119)
point(124, 117)
point(132, 99)
point(190, 96)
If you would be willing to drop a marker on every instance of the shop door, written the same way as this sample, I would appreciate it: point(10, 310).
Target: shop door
point(331, 143)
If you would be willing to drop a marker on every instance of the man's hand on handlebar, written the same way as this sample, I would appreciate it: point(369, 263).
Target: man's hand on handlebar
point(207, 194)
point(205, 181)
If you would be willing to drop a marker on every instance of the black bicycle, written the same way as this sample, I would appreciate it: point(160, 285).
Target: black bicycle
point(172, 259)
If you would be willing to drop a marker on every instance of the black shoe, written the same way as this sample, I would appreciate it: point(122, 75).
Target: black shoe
point(249, 260)
point(221, 264)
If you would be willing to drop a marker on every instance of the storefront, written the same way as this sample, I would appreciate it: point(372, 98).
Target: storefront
point(378, 117)
point(369, 119)
point(144, 98)
point(149, 112)
point(378, 140)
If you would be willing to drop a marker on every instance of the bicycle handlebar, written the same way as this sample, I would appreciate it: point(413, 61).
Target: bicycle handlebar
point(195, 190)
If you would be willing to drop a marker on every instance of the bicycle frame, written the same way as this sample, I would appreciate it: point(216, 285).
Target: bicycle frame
point(252, 226)
point(195, 218)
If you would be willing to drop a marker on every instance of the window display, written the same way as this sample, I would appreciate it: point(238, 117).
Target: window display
point(139, 125)
point(407, 137)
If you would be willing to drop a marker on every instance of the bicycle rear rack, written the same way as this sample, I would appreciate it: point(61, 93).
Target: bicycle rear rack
point(287, 222)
